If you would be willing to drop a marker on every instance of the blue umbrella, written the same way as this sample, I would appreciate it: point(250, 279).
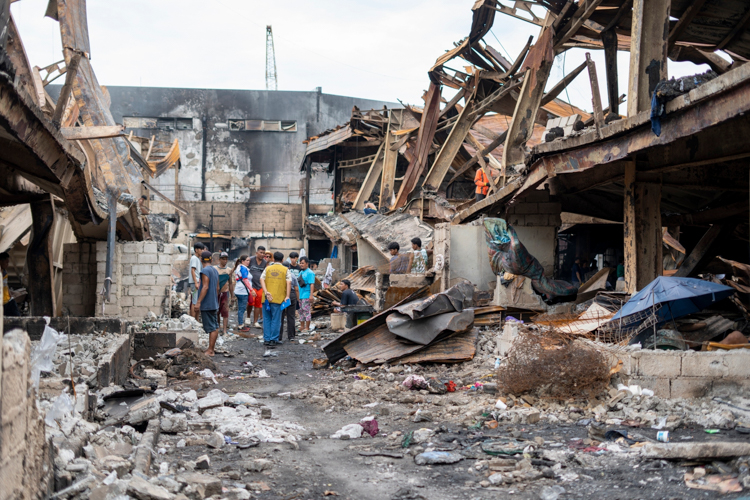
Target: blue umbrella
point(678, 297)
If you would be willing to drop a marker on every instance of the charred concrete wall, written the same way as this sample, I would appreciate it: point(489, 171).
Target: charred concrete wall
point(276, 226)
point(79, 279)
point(257, 166)
point(25, 465)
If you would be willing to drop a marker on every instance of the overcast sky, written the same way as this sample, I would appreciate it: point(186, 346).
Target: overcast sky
point(380, 49)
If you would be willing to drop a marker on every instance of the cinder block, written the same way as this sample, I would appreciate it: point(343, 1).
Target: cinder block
point(691, 387)
point(149, 247)
point(549, 208)
point(146, 301)
point(536, 220)
point(147, 258)
point(516, 220)
point(101, 247)
point(129, 258)
point(147, 279)
point(128, 280)
point(136, 312)
point(704, 364)
point(126, 301)
point(730, 386)
point(110, 309)
point(85, 248)
point(169, 249)
point(138, 291)
point(101, 267)
point(163, 280)
point(165, 259)
point(72, 299)
point(162, 269)
point(738, 363)
point(536, 195)
point(139, 269)
point(664, 364)
point(526, 208)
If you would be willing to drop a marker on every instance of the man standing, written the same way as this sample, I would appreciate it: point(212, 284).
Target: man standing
point(290, 312)
point(225, 273)
point(576, 273)
point(10, 307)
point(306, 290)
point(399, 264)
point(348, 298)
point(418, 257)
point(276, 281)
point(482, 183)
point(208, 300)
point(257, 266)
point(193, 277)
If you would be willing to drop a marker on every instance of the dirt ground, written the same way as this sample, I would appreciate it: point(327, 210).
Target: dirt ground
point(332, 467)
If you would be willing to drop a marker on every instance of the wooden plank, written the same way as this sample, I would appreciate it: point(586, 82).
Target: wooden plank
point(596, 98)
point(449, 150)
point(62, 101)
point(452, 103)
point(39, 258)
point(425, 135)
point(98, 132)
point(685, 20)
point(519, 59)
point(560, 86)
point(474, 159)
point(36, 79)
point(700, 251)
point(740, 26)
point(522, 124)
point(585, 10)
point(648, 52)
point(629, 229)
point(609, 40)
point(370, 180)
point(388, 180)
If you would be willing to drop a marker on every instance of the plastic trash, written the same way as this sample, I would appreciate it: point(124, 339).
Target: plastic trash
point(500, 405)
point(437, 457)
point(62, 407)
point(415, 382)
point(41, 358)
point(263, 374)
point(551, 492)
point(497, 363)
point(207, 373)
point(370, 426)
point(351, 431)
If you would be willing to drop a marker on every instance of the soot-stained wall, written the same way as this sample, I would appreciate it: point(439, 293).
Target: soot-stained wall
point(242, 166)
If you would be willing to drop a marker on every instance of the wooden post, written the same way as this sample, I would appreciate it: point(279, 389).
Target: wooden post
point(609, 39)
point(388, 181)
point(371, 179)
point(648, 52)
point(524, 116)
point(39, 258)
point(596, 97)
point(642, 231)
point(448, 152)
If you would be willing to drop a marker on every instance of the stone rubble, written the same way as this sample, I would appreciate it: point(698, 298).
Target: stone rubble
point(79, 356)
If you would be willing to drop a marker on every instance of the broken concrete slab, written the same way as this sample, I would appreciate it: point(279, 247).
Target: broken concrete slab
point(142, 489)
point(174, 423)
point(143, 410)
point(694, 451)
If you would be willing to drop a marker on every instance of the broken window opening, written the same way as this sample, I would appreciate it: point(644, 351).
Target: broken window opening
point(160, 123)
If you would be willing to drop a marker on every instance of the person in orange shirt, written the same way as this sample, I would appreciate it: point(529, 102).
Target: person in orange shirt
point(483, 184)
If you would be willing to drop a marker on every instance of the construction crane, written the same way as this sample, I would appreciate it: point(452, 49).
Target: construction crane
point(271, 81)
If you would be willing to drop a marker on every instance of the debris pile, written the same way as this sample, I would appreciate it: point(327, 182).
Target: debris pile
point(79, 356)
point(552, 363)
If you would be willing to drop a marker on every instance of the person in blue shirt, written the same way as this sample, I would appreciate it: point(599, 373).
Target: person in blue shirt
point(305, 293)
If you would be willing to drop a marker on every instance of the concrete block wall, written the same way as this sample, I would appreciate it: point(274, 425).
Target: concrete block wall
point(688, 374)
point(535, 209)
point(141, 278)
point(79, 279)
point(25, 465)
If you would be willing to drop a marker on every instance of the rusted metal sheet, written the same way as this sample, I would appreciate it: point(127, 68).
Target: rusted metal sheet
point(459, 347)
point(455, 299)
point(425, 330)
point(702, 116)
point(334, 349)
point(119, 174)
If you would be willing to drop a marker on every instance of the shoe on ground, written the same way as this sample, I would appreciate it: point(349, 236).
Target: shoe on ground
point(277, 342)
point(244, 329)
point(257, 325)
point(268, 342)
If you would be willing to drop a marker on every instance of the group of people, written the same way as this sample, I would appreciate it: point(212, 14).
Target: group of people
point(413, 262)
point(267, 287)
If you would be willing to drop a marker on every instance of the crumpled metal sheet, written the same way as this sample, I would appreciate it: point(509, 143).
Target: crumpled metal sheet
point(118, 173)
point(456, 298)
point(425, 330)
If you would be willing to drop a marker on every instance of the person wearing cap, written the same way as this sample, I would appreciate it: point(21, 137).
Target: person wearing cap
point(225, 272)
point(208, 300)
point(277, 286)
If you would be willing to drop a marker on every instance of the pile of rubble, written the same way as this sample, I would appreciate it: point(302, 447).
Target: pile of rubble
point(79, 356)
point(117, 454)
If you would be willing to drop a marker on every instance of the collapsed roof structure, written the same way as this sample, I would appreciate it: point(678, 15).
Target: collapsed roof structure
point(67, 157)
point(672, 160)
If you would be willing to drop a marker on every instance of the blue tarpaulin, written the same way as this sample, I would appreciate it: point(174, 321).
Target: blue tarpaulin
point(678, 297)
